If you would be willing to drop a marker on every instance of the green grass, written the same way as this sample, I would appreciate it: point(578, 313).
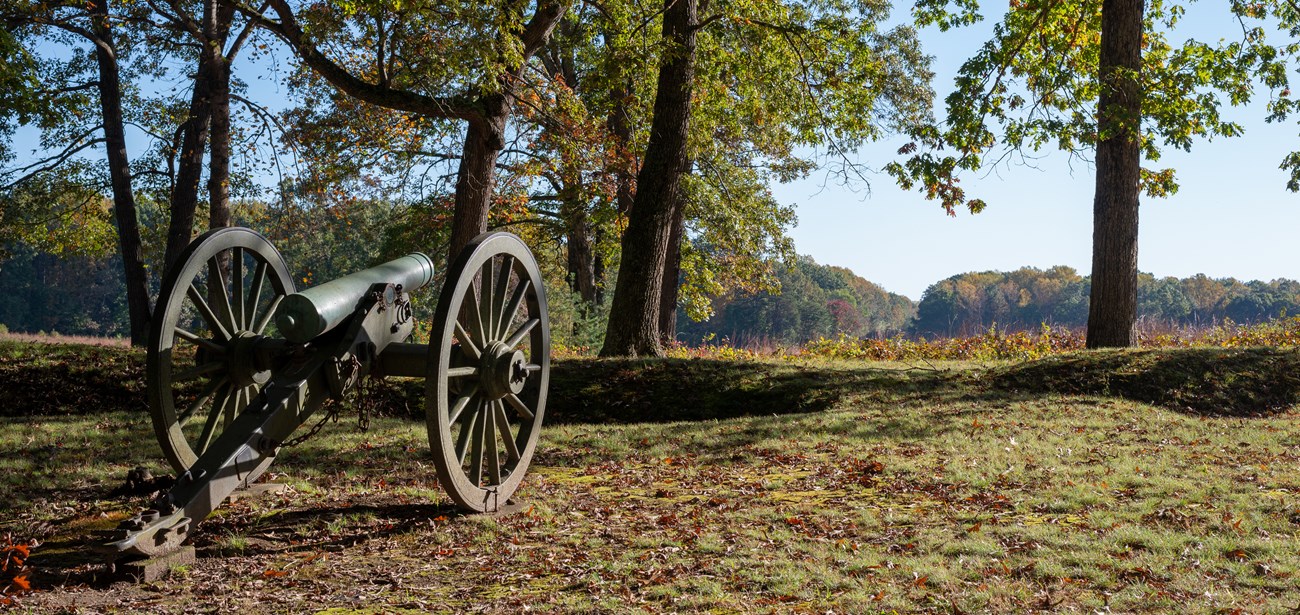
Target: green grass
point(1136, 481)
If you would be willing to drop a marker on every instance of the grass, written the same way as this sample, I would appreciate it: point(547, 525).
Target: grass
point(1157, 480)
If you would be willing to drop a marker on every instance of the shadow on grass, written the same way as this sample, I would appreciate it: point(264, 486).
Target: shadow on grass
point(1238, 382)
point(1242, 382)
point(74, 559)
point(53, 379)
point(42, 379)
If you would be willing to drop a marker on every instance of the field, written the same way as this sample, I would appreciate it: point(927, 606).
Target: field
point(1157, 480)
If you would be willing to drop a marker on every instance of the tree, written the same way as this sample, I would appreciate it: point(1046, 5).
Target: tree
point(1100, 76)
point(208, 119)
point(457, 61)
point(828, 80)
point(634, 313)
point(91, 24)
point(1112, 310)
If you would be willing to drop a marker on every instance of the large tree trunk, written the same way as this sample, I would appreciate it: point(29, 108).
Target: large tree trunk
point(119, 170)
point(484, 140)
point(1112, 310)
point(185, 194)
point(672, 278)
point(634, 314)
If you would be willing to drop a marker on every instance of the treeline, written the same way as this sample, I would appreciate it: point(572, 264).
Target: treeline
point(80, 294)
point(814, 301)
point(818, 301)
point(1027, 297)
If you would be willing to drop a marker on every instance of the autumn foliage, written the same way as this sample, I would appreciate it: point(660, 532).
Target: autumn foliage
point(13, 570)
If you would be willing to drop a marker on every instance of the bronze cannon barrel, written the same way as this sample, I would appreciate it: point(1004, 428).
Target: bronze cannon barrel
point(309, 313)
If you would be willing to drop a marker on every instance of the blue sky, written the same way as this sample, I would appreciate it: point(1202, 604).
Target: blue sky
point(1232, 217)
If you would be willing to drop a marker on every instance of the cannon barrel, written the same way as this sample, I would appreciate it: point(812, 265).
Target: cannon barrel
point(309, 313)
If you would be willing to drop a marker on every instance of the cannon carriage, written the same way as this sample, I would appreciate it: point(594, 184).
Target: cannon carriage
point(238, 360)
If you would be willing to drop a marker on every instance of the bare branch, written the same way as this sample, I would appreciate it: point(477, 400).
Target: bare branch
point(48, 164)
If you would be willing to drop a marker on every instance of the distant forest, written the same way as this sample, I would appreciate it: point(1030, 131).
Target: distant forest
point(80, 295)
point(822, 301)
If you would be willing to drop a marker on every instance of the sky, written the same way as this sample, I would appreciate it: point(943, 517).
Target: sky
point(1232, 216)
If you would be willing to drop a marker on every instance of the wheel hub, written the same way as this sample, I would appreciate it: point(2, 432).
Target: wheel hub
point(504, 371)
point(241, 360)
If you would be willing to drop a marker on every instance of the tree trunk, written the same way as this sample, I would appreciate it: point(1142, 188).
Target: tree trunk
point(484, 140)
point(119, 170)
point(1112, 310)
point(185, 195)
point(619, 127)
point(217, 20)
point(634, 314)
point(582, 261)
point(672, 278)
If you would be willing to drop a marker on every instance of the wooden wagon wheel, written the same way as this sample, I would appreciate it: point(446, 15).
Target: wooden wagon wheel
point(214, 304)
point(489, 365)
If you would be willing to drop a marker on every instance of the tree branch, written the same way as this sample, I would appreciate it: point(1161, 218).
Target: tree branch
point(54, 161)
point(453, 107)
point(244, 34)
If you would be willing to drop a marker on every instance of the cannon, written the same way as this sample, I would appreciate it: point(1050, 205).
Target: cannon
point(238, 360)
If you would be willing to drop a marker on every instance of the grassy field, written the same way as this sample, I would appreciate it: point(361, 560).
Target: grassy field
point(1139, 481)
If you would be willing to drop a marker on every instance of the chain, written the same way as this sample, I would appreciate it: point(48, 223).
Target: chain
point(364, 399)
point(363, 402)
point(331, 413)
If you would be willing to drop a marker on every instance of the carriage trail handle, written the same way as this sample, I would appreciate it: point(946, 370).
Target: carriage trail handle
point(305, 315)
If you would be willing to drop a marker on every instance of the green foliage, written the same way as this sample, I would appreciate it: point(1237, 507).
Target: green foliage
point(58, 213)
point(1034, 85)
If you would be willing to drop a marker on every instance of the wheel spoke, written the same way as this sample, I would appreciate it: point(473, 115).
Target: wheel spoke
point(210, 426)
point(255, 293)
point(270, 312)
point(461, 403)
point(215, 272)
point(519, 335)
point(490, 440)
point(236, 403)
point(484, 302)
point(466, 343)
point(474, 318)
point(461, 372)
point(500, 325)
point(466, 430)
point(206, 311)
point(237, 288)
point(203, 398)
point(201, 370)
point(519, 406)
point(508, 316)
point(503, 426)
point(200, 341)
point(476, 446)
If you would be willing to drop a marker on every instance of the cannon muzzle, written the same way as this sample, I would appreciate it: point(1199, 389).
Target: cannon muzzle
point(304, 315)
